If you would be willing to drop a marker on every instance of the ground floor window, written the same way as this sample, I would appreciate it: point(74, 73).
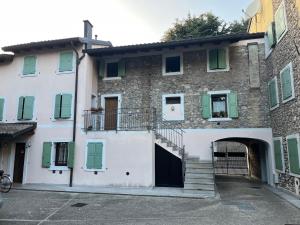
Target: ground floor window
point(219, 106)
point(61, 154)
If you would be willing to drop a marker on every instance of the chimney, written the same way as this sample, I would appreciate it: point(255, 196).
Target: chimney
point(88, 33)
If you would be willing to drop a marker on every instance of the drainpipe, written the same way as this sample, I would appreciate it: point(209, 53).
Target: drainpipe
point(78, 61)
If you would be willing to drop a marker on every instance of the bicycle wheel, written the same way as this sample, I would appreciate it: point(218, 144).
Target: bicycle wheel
point(6, 184)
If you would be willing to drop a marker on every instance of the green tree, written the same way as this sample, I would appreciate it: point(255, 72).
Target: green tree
point(204, 25)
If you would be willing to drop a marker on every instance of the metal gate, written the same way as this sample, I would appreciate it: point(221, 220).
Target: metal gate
point(231, 159)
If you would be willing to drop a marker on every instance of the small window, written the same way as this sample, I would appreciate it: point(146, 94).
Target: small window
point(273, 93)
point(217, 59)
point(66, 61)
point(94, 156)
point(172, 100)
point(61, 154)
point(63, 106)
point(25, 108)
point(29, 66)
point(280, 22)
point(219, 106)
point(112, 69)
point(287, 83)
point(278, 154)
point(293, 154)
point(172, 65)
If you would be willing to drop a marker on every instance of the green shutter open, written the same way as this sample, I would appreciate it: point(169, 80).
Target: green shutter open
point(28, 108)
point(121, 68)
point(206, 108)
point(71, 154)
point(213, 59)
point(46, 157)
point(101, 69)
point(90, 156)
point(98, 155)
point(66, 106)
point(286, 82)
point(20, 107)
point(29, 65)
point(271, 35)
point(222, 64)
point(57, 106)
point(278, 155)
point(273, 93)
point(293, 155)
point(66, 61)
point(1, 108)
point(280, 22)
point(233, 105)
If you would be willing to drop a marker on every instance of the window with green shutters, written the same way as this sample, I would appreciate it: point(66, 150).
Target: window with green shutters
point(2, 101)
point(294, 154)
point(280, 21)
point(66, 60)
point(29, 66)
point(94, 156)
point(111, 70)
point(217, 59)
point(273, 93)
point(63, 106)
point(219, 105)
point(271, 35)
point(287, 83)
point(278, 154)
point(25, 108)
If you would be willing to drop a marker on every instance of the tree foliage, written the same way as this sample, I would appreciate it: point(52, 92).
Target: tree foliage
point(204, 25)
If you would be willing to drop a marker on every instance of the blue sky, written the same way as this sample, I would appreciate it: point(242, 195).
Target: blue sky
point(120, 21)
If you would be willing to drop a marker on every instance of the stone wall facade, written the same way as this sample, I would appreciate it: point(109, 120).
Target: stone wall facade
point(144, 85)
point(285, 120)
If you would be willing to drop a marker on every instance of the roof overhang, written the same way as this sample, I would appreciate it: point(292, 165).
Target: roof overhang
point(6, 58)
point(158, 46)
point(11, 131)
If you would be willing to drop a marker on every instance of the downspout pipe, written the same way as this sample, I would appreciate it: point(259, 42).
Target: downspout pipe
point(78, 61)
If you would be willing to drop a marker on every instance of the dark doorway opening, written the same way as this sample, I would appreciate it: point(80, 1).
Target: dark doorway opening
point(19, 162)
point(168, 169)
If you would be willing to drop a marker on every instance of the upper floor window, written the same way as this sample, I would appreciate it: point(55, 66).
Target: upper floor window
point(61, 154)
point(273, 93)
point(29, 65)
point(173, 107)
point(218, 60)
point(66, 61)
point(172, 64)
point(280, 21)
point(25, 108)
point(287, 83)
point(112, 70)
point(219, 105)
point(63, 106)
point(1, 108)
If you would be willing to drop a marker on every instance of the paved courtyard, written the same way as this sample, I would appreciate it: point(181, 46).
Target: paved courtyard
point(241, 202)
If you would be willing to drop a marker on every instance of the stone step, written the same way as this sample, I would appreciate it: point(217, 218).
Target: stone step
point(189, 175)
point(202, 192)
point(199, 165)
point(199, 170)
point(192, 160)
point(202, 187)
point(199, 180)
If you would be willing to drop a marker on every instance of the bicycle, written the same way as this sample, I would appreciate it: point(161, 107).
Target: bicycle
point(5, 182)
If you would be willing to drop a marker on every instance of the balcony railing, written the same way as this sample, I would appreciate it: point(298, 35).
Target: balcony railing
point(119, 120)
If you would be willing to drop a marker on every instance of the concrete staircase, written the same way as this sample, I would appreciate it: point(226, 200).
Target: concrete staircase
point(199, 177)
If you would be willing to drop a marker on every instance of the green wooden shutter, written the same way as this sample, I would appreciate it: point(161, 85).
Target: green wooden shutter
point(66, 61)
point(280, 22)
point(271, 35)
point(98, 155)
point(66, 106)
point(273, 93)
point(57, 108)
point(101, 69)
point(71, 154)
point(46, 158)
point(222, 64)
point(286, 82)
point(278, 155)
point(233, 105)
point(29, 65)
point(121, 68)
point(206, 108)
point(293, 155)
point(20, 107)
point(1, 108)
point(90, 156)
point(28, 108)
point(213, 59)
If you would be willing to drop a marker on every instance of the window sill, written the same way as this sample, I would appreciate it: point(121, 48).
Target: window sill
point(62, 168)
point(219, 119)
point(64, 72)
point(112, 78)
point(275, 107)
point(29, 75)
point(94, 170)
point(294, 175)
point(172, 74)
point(288, 99)
point(218, 70)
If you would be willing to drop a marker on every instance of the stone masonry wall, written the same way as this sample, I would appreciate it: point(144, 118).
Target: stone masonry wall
point(285, 120)
point(144, 85)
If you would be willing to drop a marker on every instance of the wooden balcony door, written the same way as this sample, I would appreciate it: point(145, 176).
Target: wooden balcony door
point(111, 113)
